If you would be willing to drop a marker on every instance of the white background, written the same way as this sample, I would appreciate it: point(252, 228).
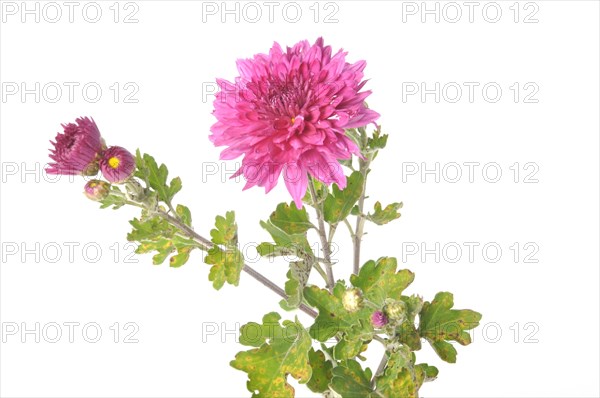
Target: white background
point(170, 54)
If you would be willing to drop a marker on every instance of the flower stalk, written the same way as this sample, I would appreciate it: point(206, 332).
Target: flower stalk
point(325, 243)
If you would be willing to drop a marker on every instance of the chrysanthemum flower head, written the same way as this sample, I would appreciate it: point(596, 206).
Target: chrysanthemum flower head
point(76, 149)
point(117, 164)
point(286, 114)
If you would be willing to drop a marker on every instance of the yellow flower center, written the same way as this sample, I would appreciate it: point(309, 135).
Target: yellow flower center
point(114, 162)
point(293, 120)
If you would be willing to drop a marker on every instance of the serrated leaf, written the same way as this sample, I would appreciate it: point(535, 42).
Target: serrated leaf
point(290, 220)
point(347, 348)
point(377, 141)
point(285, 351)
point(407, 332)
point(350, 380)
point(157, 177)
point(397, 379)
point(184, 214)
point(115, 199)
point(439, 323)
point(225, 232)
point(321, 371)
point(182, 256)
point(339, 203)
point(226, 266)
point(255, 334)
point(379, 280)
point(285, 243)
point(425, 373)
point(333, 317)
point(294, 286)
point(355, 340)
point(156, 234)
point(174, 187)
point(149, 228)
point(383, 216)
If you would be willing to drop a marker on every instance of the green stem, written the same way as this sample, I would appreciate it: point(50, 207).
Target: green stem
point(321, 229)
point(246, 268)
point(360, 219)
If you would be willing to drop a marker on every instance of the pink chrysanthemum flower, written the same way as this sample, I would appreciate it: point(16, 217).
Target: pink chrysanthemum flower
point(76, 149)
point(117, 164)
point(286, 113)
point(378, 319)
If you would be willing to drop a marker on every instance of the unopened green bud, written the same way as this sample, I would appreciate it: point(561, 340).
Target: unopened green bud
point(96, 189)
point(352, 300)
point(396, 311)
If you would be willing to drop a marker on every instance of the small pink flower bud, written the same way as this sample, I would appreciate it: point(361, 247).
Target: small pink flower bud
point(378, 319)
point(117, 164)
point(352, 300)
point(96, 189)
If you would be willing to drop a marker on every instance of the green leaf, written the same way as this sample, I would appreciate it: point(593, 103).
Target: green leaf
point(155, 234)
point(333, 317)
point(321, 371)
point(397, 379)
point(227, 262)
point(225, 232)
point(291, 220)
point(377, 141)
point(156, 177)
point(226, 266)
point(348, 348)
point(439, 323)
point(267, 249)
point(255, 334)
point(383, 216)
point(425, 373)
point(184, 213)
point(285, 243)
point(351, 381)
point(407, 332)
point(294, 287)
point(379, 280)
point(182, 256)
point(174, 187)
point(141, 171)
point(339, 203)
point(285, 351)
point(355, 339)
point(149, 228)
point(115, 198)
